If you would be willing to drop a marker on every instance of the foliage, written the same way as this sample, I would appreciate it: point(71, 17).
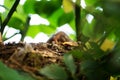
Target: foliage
point(97, 57)
point(58, 73)
point(54, 72)
point(10, 74)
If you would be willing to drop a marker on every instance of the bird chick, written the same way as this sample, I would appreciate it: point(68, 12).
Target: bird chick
point(62, 38)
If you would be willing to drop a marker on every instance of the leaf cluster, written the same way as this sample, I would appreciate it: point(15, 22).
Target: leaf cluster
point(97, 57)
point(50, 10)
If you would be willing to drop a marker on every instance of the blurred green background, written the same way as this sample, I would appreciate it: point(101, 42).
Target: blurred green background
point(99, 27)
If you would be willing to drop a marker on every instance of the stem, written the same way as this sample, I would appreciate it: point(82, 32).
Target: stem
point(0, 28)
point(4, 7)
point(78, 20)
point(0, 21)
point(4, 39)
point(25, 28)
point(9, 15)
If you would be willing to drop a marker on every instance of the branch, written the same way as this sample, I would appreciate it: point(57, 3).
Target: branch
point(9, 15)
point(78, 20)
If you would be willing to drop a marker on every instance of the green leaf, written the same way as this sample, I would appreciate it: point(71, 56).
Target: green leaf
point(31, 29)
point(92, 70)
point(111, 8)
point(90, 2)
point(39, 28)
point(72, 24)
point(25, 75)
point(20, 13)
point(76, 53)
point(88, 66)
point(29, 6)
point(9, 3)
point(96, 52)
point(117, 30)
point(46, 8)
point(112, 64)
point(10, 74)
point(88, 29)
point(68, 59)
point(54, 72)
point(65, 18)
point(16, 23)
point(53, 19)
point(67, 6)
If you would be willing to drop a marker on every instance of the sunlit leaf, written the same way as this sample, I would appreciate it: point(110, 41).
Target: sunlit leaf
point(33, 28)
point(20, 13)
point(67, 6)
point(113, 78)
point(39, 28)
point(54, 72)
point(16, 23)
point(90, 2)
point(72, 24)
point(29, 6)
point(107, 45)
point(68, 59)
point(8, 3)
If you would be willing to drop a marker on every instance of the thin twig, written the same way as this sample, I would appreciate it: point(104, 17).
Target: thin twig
point(78, 19)
point(4, 7)
point(0, 28)
point(9, 15)
point(0, 22)
point(4, 39)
